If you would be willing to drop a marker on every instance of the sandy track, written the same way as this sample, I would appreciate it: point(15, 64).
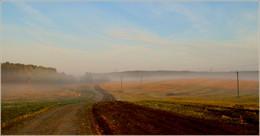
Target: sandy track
point(117, 117)
point(65, 120)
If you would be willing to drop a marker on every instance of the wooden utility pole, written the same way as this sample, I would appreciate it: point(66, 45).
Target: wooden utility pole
point(237, 85)
point(29, 78)
point(141, 81)
point(121, 84)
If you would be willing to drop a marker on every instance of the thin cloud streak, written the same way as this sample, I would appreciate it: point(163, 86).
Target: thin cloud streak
point(199, 22)
point(32, 12)
point(199, 48)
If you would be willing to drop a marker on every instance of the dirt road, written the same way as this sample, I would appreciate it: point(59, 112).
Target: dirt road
point(122, 118)
point(66, 120)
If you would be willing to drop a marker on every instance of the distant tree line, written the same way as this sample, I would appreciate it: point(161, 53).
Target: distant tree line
point(16, 72)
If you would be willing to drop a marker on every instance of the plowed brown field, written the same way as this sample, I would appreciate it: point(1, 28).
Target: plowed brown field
point(117, 117)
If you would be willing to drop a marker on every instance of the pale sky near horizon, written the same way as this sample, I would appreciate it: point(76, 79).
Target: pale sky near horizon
point(84, 36)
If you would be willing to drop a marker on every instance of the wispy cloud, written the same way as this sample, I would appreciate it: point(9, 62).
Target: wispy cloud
point(218, 50)
point(150, 38)
point(199, 22)
point(180, 9)
point(32, 12)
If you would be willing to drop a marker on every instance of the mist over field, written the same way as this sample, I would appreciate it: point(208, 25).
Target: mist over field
point(20, 73)
point(167, 75)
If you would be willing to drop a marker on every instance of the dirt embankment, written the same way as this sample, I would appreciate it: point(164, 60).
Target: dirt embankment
point(116, 117)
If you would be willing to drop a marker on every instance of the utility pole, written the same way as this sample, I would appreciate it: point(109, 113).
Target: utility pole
point(141, 81)
point(29, 78)
point(121, 84)
point(237, 85)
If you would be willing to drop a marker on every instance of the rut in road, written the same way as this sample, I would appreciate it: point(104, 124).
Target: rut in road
point(66, 120)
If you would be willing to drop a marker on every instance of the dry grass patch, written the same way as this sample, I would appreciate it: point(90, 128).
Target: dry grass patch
point(212, 89)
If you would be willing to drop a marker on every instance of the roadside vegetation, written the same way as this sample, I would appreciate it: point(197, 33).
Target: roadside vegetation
point(15, 107)
point(237, 113)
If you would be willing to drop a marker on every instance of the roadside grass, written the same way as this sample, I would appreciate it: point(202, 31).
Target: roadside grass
point(235, 113)
point(14, 110)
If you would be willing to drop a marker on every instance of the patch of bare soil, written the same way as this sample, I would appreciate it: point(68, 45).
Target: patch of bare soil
point(123, 118)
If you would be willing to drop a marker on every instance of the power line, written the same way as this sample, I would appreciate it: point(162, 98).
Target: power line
point(229, 67)
point(253, 62)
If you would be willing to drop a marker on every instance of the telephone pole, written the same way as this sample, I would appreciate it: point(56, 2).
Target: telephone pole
point(29, 78)
point(141, 81)
point(237, 85)
point(121, 84)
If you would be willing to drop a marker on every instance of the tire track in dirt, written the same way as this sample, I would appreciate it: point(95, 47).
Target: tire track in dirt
point(105, 95)
point(66, 120)
point(124, 118)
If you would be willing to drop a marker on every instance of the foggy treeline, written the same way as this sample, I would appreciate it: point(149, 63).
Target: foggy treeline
point(16, 72)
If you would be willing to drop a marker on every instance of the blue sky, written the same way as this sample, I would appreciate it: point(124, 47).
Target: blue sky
point(79, 37)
